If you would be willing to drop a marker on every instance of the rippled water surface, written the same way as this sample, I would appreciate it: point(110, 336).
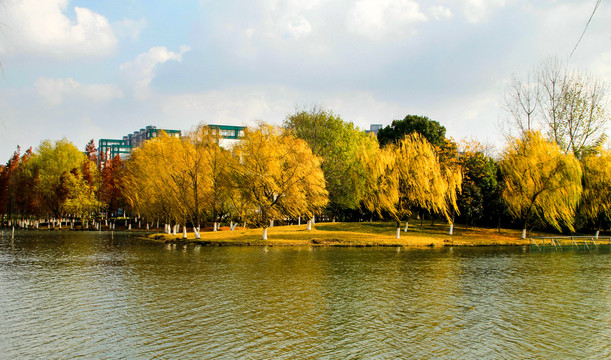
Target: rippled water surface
point(90, 295)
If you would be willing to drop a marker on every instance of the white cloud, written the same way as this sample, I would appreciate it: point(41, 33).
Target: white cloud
point(43, 28)
point(477, 11)
point(236, 106)
point(245, 105)
point(55, 90)
point(299, 28)
point(129, 28)
point(440, 12)
point(140, 72)
point(375, 19)
point(287, 18)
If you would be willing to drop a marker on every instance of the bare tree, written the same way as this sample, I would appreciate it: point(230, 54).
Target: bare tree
point(569, 106)
point(551, 78)
point(583, 113)
point(520, 101)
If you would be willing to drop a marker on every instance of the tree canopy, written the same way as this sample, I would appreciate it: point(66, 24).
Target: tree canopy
point(342, 148)
point(596, 199)
point(431, 130)
point(279, 175)
point(569, 106)
point(540, 181)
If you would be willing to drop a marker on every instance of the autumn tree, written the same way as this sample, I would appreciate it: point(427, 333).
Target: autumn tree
point(180, 179)
point(57, 168)
point(7, 178)
point(91, 151)
point(17, 195)
point(110, 187)
point(278, 174)
point(540, 182)
point(156, 181)
point(342, 148)
point(382, 182)
point(22, 187)
point(596, 197)
point(211, 165)
point(408, 175)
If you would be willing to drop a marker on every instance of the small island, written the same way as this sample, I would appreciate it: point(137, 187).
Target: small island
point(358, 234)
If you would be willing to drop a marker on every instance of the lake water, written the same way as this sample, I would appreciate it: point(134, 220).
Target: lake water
point(90, 295)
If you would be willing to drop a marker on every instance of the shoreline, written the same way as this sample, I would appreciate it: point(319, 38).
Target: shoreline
point(351, 235)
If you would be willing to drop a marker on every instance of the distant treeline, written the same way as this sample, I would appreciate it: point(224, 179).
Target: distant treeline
point(316, 165)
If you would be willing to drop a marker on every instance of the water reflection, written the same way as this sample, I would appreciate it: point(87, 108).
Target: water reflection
point(101, 296)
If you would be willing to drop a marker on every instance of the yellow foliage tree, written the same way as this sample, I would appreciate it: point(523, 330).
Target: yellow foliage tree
point(382, 182)
point(278, 175)
point(61, 184)
point(171, 178)
point(596, 196)
point(209, 173)
point(540, 181)
point(154, 180)
point(407, 175)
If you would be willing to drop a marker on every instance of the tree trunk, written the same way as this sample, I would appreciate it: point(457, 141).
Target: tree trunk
point(451, 229)
point(398, 236)
point(184, 232)
point(524, 233)
point(309, 225)
point(271, 223)
point(299, 221)
point(406, 225)
point(264, 236)
point(597, 233)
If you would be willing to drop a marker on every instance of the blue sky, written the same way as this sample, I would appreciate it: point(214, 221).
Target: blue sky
point(101, 69)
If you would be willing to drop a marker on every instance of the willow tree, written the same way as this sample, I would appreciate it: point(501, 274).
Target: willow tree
point(278, 174)
point(596, 196)
point(155, 179)
point(540, 182)
point(209, 173)
point(408, 175)
point(382, 182)
point(423, 182)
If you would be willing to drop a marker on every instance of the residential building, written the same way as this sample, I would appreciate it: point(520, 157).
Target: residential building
point(109, 148)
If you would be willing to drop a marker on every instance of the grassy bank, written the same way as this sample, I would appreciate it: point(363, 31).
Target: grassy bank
point(354, 234)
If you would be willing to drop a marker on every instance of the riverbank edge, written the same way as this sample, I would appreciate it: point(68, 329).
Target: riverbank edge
point(346, 235)
point(264, 243)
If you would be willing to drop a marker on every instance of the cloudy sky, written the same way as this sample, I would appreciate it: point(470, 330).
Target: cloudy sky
point(88, 69)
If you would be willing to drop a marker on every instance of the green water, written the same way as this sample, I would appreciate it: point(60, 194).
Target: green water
point(93, 295)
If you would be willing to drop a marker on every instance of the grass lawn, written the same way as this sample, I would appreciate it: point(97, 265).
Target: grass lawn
point(354, 234)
